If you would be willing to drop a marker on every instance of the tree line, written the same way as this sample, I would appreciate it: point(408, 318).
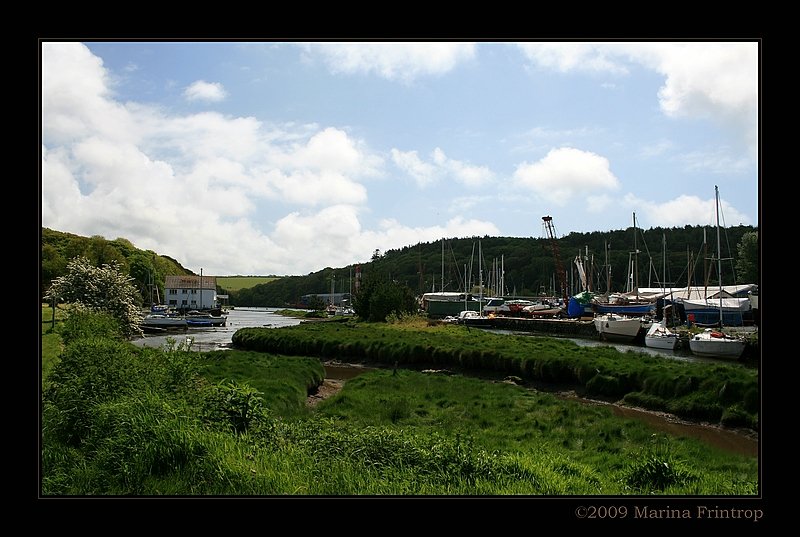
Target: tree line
point(147, 268)
point(529, 268)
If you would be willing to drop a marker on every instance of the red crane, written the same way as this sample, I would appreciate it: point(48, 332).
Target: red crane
point(562, 275)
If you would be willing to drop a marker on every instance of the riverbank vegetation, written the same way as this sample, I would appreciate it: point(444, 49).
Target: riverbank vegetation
point(124, 420)
point(717, 393)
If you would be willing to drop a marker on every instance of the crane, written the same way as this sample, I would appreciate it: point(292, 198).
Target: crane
point(551, 234)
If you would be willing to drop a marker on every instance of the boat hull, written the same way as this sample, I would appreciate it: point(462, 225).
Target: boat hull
point(660, 337)
point(716, 347)
point(661, 342)
point(613, 328)
point(164, 322)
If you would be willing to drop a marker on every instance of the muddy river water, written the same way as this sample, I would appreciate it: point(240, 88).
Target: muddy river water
point(219, 338)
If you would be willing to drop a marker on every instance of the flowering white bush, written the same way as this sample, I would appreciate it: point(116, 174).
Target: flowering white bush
point(104, 288)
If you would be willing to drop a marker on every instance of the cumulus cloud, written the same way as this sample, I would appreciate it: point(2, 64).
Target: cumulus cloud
point(200, 90)
point(190, 186)
point(684, 210)
point(426, 173)
point(565, 173)
point(393, 61)
point(701, 79)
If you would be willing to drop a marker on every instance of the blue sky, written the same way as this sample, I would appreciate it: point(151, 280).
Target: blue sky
point(284, 158)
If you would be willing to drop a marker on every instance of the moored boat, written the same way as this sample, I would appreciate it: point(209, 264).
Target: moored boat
point(201, 318)
point(715, 344)
point(618, 328)
point(661, 337)
point(164, 320)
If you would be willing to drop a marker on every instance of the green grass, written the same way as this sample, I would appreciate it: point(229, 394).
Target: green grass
point(237, 283)
point(123, 420)
point(51, 341)
point(598, 452)
point(284, 381)
point(698, 391)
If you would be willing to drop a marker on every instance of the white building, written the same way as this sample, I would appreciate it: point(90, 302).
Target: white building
point(189, 292)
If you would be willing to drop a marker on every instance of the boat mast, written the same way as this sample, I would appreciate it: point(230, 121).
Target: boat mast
point(480, 279)
point(465, 287)
point(635, 259)
point(719, 256)
point(441, 284)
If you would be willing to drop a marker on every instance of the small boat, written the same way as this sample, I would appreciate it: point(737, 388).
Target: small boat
point(661, 337)
point(202, 318)
point(716, 344)
point(618, 328)
point(163, 320)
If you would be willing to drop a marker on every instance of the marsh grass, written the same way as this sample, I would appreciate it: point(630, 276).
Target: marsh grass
point(123, 420)
point(695, 391)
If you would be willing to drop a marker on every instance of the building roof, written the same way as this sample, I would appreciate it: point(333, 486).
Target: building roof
point(190, 282)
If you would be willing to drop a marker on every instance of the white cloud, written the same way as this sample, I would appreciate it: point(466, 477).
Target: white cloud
point(409, 161)
point(565, 173)
point(393, 61)
point(191, 186)
point(702, 79)
point(200, 90)
point(573, 56)
point(426, 173)
point(684, 210)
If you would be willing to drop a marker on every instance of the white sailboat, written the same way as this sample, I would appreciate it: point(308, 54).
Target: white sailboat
point(618, 328)
point(661, 337)
point(715, 343)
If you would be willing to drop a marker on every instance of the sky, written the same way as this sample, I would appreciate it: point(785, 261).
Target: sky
point(283, 158)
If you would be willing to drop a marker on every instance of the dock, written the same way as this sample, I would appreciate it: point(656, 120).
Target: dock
point(560, 327)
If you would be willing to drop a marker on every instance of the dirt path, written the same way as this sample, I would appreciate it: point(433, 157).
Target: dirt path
point(328, 388)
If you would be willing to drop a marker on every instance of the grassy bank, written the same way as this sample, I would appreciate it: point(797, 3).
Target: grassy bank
point(569, 448)
point(122, 420)
point(719, 393)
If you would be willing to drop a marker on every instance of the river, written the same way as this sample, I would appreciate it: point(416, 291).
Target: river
point(218, 338)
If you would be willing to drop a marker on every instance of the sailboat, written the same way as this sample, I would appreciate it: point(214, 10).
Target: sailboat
point(715, 343)
point(661, 337)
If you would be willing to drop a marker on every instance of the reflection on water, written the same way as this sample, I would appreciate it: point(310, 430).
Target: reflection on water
point(217, 338)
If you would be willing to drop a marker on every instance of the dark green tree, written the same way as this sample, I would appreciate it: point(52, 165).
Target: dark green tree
point(53, 265)
point(378, 297)
point(747, 263)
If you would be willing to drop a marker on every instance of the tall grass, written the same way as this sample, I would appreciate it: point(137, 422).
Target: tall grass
point(691, 390)
point(122, 420)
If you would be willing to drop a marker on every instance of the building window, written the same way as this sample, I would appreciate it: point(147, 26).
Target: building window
point(185, 291)
point(183, 302)
point(173, 291)
point(194, 291)
point(173, 302)
point(194, 302)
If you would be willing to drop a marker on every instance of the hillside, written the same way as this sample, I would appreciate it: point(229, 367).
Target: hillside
point(144, 266)
point(528, 264)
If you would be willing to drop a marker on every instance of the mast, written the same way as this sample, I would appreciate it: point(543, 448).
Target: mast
point(480, 279)
point(635, 259)
point(719, 256)
point(608, 273)
point(465, 286)
point(441, 284)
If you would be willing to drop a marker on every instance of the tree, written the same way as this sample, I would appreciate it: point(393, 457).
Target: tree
point(53, 265)
point(747, 263)
point(377, 298)
point(104, 289)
